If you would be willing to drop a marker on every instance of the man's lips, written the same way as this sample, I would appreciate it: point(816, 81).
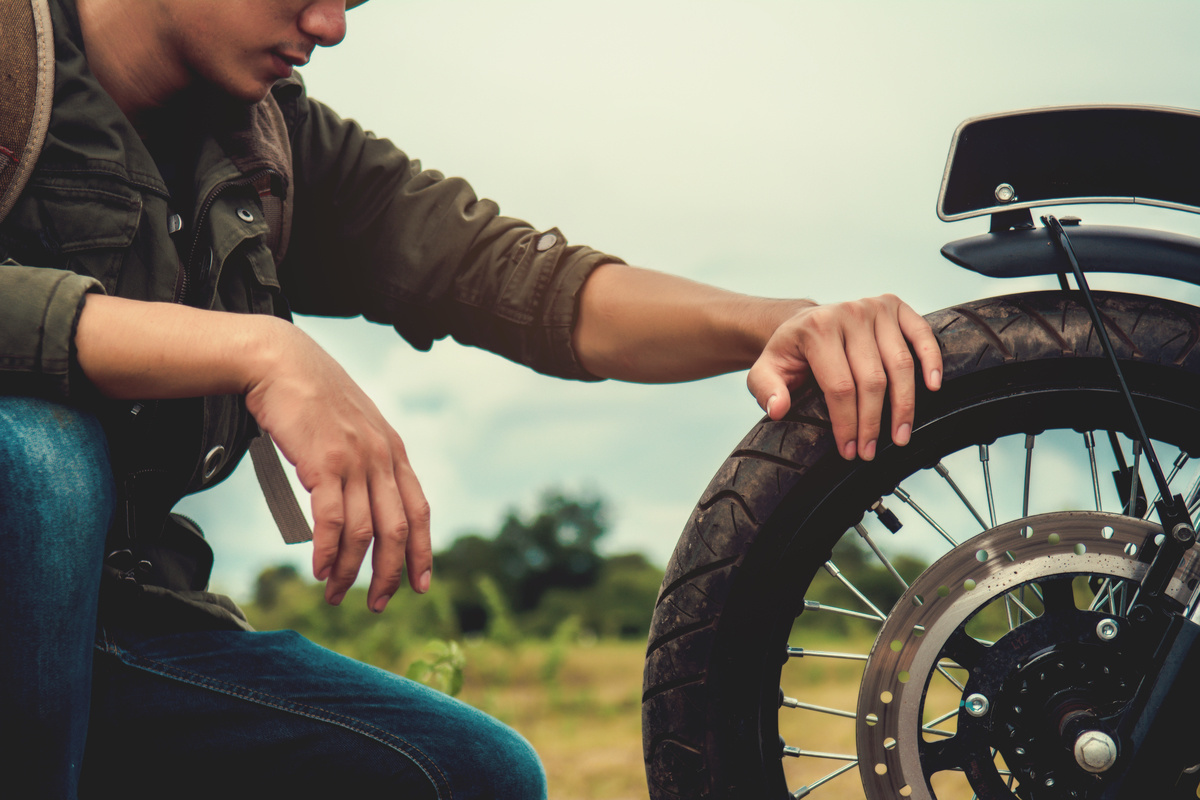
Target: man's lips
point(284, 62)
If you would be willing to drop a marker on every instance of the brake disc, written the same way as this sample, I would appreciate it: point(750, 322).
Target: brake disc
point(901, 747)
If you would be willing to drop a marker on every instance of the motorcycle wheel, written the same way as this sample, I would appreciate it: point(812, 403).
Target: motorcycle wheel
point(1007, 527)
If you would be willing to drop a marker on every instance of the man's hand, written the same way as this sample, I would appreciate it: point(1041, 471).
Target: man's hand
point(639, 325)
point(346, 454)
point(856, 351)
point(355, 466)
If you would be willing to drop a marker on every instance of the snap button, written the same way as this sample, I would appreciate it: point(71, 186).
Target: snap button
point(213, 461)
point(245, 215)
point(174, 224)
point(546, 241)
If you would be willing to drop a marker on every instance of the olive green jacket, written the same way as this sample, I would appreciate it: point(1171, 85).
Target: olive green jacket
point(371, 234)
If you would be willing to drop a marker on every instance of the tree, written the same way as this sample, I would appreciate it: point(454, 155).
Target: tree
point(555, 547)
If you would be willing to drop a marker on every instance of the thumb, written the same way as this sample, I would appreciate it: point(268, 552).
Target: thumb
point(770, 390)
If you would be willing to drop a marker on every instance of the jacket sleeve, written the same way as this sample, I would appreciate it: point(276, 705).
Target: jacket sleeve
point(376, 235)
point(37, 329)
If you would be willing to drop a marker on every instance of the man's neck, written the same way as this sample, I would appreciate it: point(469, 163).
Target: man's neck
point(129, 55)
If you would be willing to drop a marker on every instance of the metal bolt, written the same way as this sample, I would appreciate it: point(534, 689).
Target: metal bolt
point(1107, 629)
point(1005, 193)
point(1049, 782)
point(976, 705)
point(1183, 533)
point(1095, 751)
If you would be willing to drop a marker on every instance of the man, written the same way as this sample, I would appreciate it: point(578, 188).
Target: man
point(143, 345)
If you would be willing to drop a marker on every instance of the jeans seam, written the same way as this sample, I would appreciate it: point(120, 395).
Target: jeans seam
point(240, 692)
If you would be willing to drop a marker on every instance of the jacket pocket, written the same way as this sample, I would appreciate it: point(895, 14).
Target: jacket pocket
point(70, 225)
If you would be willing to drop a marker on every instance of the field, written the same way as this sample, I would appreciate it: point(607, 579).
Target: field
point(580, 708)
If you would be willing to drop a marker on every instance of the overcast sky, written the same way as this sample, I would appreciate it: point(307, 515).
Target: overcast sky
point(777, 147)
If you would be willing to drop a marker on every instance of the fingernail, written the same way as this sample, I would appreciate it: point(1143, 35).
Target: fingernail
point(336, 599)
point(848, 451)
point(770, 400)
point(868, 452)
point(423, 581)
point(903, 434)
point(381, 604)
point(935, 379)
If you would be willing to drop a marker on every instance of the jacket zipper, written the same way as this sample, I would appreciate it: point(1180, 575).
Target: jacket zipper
point(191, 266)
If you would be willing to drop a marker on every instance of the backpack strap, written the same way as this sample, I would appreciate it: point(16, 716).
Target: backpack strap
point(281, 500)
point(26, 92)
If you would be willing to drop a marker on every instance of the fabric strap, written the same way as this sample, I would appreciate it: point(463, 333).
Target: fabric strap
point(26, 92)
point(278, 492)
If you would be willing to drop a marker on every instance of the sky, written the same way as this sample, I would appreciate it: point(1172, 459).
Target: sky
point(784, 148)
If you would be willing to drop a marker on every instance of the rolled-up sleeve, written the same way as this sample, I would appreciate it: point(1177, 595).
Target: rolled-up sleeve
point(376, 235)
point(37, 329)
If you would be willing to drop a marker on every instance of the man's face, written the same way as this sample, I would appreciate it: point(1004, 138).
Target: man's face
point(244, 46)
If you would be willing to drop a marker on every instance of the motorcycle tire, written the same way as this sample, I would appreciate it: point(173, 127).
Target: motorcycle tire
point(1016, 368)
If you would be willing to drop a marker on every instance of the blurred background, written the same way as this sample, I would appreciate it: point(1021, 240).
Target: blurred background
point(776, 147)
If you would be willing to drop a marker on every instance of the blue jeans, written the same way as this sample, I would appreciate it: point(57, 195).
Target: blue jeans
point(193, 714)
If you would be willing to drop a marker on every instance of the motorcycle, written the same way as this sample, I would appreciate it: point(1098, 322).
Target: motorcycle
point(1019, 617)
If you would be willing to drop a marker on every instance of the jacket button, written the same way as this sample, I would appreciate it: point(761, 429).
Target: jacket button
point(547, 241)
point(245, 215)
point(213, 461)
point(174, 224)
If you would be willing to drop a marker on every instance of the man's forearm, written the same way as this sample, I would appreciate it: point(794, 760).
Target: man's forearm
point(346, 454)
point(650, 327)
point(136, 349)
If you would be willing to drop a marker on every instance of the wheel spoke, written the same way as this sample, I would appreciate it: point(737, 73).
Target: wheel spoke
point(985, 461)
point(1021, 607)
point(907, 498)
point(816, 605)
point(866, 537)
point(832, 569)
point(945, 673)
point(945, 473)
point(791, 702)
point(796, 752)
point(1089, 441)
point(804, 791)
point(1029, 440)
point(801, 652)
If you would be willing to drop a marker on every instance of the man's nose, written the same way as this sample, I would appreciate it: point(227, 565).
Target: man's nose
point(324, 21)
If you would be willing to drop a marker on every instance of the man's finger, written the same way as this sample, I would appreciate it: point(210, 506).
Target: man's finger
point(391, 536)
point(901, 378)
point(925, 343)
point(328, 522)
point(870, 384)
point(833, 373)
point(355, 539)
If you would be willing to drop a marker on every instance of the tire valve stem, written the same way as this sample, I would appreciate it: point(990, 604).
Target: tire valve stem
point(889, 519)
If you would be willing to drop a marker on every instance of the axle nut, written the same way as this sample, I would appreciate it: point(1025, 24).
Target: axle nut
point(1095, 751)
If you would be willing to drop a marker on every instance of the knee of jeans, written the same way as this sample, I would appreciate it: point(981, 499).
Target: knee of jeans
point(54, 465)
point(512, 767)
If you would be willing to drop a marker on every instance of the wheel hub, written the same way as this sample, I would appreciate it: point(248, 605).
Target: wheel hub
point(1058, 689)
